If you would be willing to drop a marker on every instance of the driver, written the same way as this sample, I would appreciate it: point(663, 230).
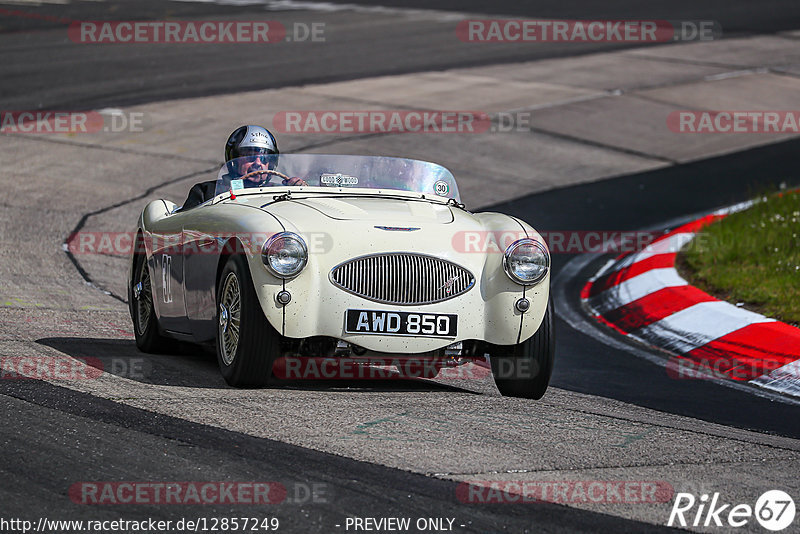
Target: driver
point(244, 141)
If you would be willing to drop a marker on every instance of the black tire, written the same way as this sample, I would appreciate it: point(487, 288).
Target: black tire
point(140, 302)
point(247, 361)
point(524, 370)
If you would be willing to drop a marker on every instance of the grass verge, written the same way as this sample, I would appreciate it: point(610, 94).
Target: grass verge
point(751, 258)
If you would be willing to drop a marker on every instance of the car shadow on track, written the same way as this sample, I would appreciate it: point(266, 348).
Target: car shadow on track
point(195, 366)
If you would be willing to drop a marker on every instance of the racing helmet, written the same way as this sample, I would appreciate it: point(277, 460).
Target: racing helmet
point(249, 140)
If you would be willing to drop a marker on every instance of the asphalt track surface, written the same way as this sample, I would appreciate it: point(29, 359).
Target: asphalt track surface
point(52, 436)
point(101, 429)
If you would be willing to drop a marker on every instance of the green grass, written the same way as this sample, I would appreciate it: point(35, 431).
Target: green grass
point(751, 257)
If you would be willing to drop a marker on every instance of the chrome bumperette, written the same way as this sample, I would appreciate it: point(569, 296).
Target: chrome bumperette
point(402, 278)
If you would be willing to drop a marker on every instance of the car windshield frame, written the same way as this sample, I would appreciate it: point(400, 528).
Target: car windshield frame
point(336, 173)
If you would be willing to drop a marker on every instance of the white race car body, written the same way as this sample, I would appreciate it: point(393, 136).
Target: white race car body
point(390, 268)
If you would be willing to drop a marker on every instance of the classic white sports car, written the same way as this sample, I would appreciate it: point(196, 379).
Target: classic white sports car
point(361, 257)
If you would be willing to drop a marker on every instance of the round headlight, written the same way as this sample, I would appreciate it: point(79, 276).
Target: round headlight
point(526, 262)
point(285, 254)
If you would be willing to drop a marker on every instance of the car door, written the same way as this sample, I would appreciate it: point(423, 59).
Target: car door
point(167, 274)
point(202, 251)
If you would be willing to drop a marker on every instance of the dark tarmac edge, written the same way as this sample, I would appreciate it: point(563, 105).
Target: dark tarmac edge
point(84, 217)
point(641, 200)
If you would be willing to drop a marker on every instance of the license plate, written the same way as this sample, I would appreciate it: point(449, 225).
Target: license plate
point(401, 323)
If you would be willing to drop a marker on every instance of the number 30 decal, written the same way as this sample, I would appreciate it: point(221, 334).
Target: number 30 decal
point(441, 188)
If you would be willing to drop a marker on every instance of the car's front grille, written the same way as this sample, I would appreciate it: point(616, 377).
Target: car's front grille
point(402, 278)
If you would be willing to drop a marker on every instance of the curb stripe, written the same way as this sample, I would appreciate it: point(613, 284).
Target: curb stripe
point(634, 289)
point(669, 244)
point(641, 295)
point(752, 351)
point(785, 379)
point(640, 267)
point(700, 223)
point(656, 306)
point(697, 325)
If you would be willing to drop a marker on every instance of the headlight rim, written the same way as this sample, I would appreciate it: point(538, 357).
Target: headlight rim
point(515, 245)
point(265, 254)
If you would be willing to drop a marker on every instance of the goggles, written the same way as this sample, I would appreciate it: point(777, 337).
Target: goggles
point(255, 151)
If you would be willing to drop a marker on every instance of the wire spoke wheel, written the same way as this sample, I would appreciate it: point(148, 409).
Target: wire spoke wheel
point(144, 299)
point(247, 345)
point(230, 310)
point(142, 308)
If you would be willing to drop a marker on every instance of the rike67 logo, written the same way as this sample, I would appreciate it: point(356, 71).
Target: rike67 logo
point(774, 510)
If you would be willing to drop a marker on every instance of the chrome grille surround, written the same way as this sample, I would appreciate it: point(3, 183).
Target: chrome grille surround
point(402, 278)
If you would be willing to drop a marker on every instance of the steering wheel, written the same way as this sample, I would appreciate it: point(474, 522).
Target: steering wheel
point(266, 171)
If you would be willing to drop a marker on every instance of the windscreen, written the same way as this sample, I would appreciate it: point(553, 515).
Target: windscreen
point(338, 172)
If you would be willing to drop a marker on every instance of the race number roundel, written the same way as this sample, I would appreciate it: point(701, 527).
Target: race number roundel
point(441, 188)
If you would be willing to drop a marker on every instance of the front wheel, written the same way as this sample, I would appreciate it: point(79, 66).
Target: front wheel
point(247, 345)
point(524, 370)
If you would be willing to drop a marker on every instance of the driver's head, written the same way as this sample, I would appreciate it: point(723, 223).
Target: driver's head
point(250, 141)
